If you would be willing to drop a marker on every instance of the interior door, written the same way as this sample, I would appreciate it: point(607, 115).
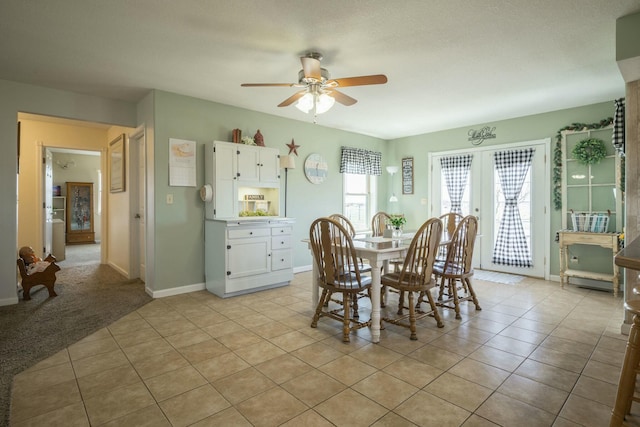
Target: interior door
point(483, 197)
point(139, 207)
point(47, 204)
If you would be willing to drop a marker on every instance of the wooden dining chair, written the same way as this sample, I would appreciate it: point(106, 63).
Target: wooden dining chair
point(348, 225)
point(456, 268)
point(363, 266)
point(338, 272)
point(450, 221)
point(379, 223)
point(415, 277)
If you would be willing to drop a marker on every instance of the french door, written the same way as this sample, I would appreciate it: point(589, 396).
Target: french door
point(513, 230)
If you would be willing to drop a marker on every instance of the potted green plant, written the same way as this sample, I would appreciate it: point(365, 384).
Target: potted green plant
point(397, 221)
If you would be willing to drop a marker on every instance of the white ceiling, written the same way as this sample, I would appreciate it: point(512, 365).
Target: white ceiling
point(450, 63)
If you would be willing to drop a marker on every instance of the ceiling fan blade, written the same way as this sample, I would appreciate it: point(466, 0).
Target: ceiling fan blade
point(267, 84)
point(293, 98)
point(341, 97)
point(311, 68)
point(376, 79)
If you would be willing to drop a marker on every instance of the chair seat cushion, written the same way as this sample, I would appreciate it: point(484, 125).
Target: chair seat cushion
point(451, 270)
point(348, 283)
point(393, 280)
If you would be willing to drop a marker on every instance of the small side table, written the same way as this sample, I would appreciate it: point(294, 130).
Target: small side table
point(605, 240)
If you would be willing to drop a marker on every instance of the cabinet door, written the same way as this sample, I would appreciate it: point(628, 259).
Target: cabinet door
point(247, 257)
point(269, 165)
point(248, 163)
point(225, 181)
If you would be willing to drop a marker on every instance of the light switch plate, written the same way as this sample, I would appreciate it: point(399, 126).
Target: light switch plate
point(169, 199)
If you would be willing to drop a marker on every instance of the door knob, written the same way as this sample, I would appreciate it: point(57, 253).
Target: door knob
point(137, 216)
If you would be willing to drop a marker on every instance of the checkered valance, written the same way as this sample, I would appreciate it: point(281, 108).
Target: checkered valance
point(512, 247)
point(360, 161)
point(455, 170)
point(618, 126)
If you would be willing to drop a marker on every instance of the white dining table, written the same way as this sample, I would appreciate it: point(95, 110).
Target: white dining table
point(378, 251)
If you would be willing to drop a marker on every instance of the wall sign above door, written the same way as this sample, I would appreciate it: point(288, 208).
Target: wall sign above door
point(477, 137)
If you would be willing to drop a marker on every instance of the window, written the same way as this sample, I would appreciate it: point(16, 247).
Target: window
point(359, 199)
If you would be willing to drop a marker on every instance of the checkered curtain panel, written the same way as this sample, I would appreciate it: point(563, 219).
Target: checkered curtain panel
point(455, 170)
point(360, 161)
point(511, 246)
point(618, 126)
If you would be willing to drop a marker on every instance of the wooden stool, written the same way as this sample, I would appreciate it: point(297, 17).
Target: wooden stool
point(627, 382)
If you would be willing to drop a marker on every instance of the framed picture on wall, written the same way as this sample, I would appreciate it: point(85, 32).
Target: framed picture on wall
point(117, 164)
point(407, 175)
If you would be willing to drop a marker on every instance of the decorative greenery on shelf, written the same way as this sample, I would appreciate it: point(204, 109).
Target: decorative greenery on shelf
point(258, 212)
point(557, 155)
point(397, 221)
point(589, 151)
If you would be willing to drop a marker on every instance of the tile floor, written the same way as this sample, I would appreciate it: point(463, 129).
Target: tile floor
point(536, 355)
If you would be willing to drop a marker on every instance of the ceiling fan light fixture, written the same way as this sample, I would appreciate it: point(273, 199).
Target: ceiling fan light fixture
point(305, 104)
point(311, 101)
point(324, 103)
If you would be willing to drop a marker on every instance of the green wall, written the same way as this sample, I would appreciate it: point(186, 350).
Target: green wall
point(179, 228)
point(179, 244)
point(527, 128)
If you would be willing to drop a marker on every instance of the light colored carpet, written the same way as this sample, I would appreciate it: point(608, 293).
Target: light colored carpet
point(90, 297)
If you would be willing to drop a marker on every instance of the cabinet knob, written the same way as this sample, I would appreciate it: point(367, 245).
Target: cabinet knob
point(251, 232)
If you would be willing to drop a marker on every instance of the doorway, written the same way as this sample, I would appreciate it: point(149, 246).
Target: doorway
point(70, 143)
point(83, 168)
point(479, 177)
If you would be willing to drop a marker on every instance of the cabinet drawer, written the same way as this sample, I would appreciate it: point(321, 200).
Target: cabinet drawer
point(281, 242)
point(86, 237)
point(248, 232)
point(281, 260)
point(278, 231)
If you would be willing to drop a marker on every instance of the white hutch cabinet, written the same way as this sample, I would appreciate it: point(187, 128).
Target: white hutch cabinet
point(244, 253)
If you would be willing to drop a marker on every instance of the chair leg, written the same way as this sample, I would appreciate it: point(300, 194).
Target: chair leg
point(473, 293)
point(456, 302)
point(321, 302)
point(400, 303)
point(436, 315)
point(346, 298)
point(412, 317)
point(356, 315)
point(442, 285)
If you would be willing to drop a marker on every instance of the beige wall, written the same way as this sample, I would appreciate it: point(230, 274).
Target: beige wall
point(33, 136)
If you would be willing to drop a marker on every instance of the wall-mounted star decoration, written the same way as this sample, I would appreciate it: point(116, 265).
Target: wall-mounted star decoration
point(293, 148)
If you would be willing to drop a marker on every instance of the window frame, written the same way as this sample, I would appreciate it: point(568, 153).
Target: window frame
point(370, 195)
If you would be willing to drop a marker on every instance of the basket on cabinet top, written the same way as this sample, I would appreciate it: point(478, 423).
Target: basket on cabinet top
point(590, 222)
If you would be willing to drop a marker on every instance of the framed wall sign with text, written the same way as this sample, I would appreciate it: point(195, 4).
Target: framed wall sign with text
point(407, 175)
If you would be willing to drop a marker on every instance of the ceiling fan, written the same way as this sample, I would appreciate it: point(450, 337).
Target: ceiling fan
point(319, 91)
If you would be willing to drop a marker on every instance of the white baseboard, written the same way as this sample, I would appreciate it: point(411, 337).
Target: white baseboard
point(176, 291)
point(9, 301)
point(302, 269)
